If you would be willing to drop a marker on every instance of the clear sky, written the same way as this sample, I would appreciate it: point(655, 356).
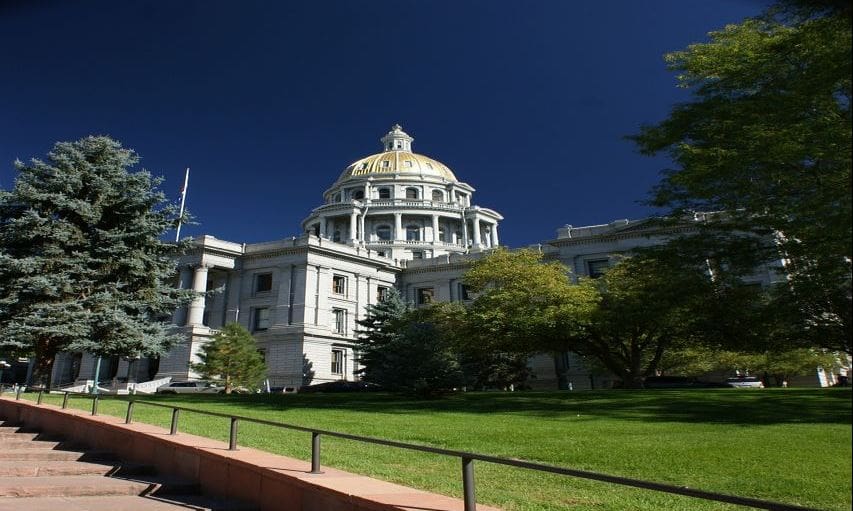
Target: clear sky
point(267, 102)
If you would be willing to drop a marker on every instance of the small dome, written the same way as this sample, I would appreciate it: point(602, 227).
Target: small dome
point(398, 159)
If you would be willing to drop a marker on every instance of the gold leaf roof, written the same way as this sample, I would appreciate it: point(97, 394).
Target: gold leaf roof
point(398, 162)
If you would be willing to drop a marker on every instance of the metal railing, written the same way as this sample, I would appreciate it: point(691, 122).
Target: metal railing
point(467, 458)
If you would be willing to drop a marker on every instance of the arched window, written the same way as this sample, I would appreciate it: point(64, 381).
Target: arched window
point(358, 194)
point(437, 196)
point(383, 232)
point(413, 233)
point(411, 193)
point(384, 193)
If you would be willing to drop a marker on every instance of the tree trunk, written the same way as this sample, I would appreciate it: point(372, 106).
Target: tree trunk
point(43, 368)
point(561, 369)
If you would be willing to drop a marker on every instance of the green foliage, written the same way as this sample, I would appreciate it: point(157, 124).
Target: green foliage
point(232, 358)
point(767, 139)
point(82, 265)
point(408, 350)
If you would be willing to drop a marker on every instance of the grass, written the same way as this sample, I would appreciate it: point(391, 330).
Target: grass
point(787, 445)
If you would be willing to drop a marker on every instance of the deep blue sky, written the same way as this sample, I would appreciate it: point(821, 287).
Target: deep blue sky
point(528, 102)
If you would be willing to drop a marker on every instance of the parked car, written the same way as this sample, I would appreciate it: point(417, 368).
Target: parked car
point(282, 390)
point(745, 382)
point(190, 387)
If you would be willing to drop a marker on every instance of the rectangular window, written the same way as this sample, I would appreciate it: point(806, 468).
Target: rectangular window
point(339, 317)
point(425, 295)
point(337, 361)
point(261, 319)
point(381, 293)
point(263, 282)
point(463, 292)
point(339, 284)
point(597, 267)
point(417, 254)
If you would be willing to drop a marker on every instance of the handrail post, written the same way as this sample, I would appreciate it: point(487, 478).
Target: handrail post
point(18, 394)
point(315, 453)
point(468, 484)
point(41, 395)
point(232, 438)
point(95, 404)
point(175, 414)
point(65, 401)
point(129, 417)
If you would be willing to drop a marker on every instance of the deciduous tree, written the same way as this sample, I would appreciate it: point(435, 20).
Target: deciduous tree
point(767, 139)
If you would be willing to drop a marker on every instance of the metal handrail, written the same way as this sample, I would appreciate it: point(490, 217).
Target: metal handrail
point(468, 458)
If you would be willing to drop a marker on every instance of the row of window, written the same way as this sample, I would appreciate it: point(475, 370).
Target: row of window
point(409, 193)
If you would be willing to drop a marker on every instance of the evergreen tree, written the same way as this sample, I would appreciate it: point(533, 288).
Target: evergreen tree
point(405, 349)
point(232, 358)
point(377, 332)
point(82, 265)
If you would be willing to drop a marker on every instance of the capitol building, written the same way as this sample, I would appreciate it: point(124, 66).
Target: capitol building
point(394, 219)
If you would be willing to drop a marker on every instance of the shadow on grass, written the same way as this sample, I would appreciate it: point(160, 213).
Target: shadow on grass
point(715, 406)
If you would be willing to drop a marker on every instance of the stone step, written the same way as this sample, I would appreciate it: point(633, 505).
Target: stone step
point(25, 443)
point(55, 455)
point(37, 468)
point(92, 485)
point(124, 503)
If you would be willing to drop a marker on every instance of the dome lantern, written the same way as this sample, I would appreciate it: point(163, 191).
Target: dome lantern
point(397, 140)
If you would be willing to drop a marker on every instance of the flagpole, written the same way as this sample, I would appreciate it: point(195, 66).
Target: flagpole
point(183, 202)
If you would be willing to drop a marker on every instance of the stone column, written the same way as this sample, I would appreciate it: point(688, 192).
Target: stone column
point(353, 227)
point(435, 228)
point(475, 222)
point(235, 283)
point(495, 235)
point(398, 227)
point(184, 282)
point(324, 227)
point(196, 314)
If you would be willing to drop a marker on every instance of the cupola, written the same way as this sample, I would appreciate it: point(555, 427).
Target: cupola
point(397, 140)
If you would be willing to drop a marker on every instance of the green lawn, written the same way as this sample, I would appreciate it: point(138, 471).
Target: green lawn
point(789, 445)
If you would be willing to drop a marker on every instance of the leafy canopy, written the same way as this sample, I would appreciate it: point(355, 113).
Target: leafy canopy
point(767, 139)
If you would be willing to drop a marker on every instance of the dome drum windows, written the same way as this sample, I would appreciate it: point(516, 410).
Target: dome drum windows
point(383, 232)
point(437, 196)
point(384, 193)
point(412, 193)
point(413, 233)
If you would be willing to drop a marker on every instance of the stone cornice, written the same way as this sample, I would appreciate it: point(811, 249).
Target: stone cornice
point(646, 233)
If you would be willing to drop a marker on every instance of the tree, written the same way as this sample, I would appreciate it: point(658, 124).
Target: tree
point(408, 350)
point(232, 357)
point(377, 332)
point(767, 139)
point(525, 306)
point(626, 320)
point(82, 265)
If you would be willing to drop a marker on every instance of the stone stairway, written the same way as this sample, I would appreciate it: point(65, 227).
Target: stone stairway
point(38, 473)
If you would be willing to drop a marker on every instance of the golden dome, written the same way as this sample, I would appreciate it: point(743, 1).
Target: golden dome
point(398, 158)
point(398, 162)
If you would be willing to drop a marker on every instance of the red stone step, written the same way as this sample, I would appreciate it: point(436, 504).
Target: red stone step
point(36, 468)
point(54, 455)
point(69, 486)
point(122, 503)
